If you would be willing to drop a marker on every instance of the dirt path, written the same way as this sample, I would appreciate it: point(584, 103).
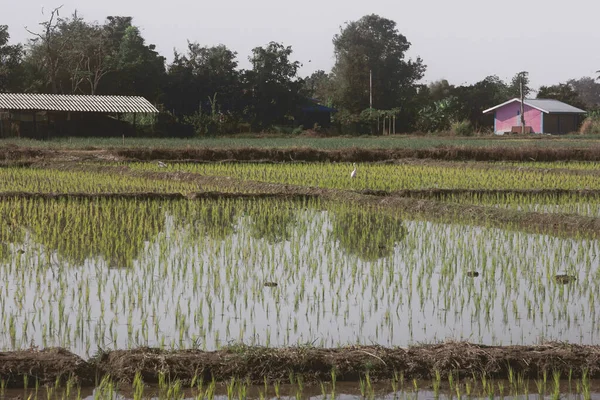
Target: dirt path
point(304, 154)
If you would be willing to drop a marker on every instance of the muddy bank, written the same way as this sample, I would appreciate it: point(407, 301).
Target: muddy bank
point(155, 196)
point(306, 154)
point(443, 194)
point(450, 153)
point(313, 364)
point(45, 366)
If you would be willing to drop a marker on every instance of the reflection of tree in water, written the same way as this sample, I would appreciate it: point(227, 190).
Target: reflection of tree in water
point(368, 233)
point(115, 230)
point(274, 224)
point(216, 219)
point(10, 232)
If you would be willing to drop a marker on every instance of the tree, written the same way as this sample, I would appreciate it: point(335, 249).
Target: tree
point(87, 54)
point(474, 99)
point(272, 88)
point(588, 90)
point(319, 85)
point(438, 116)
point(373, 44)
point(440, 89)
point(562, 92)
point(135, 67)
point(140, 70)
point(11, 57)
point(45, 50)
point(200, 74)
point(70, 56)
point(514, 90)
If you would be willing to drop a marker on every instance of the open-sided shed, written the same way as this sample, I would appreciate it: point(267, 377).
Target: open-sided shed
point(45, 115)
point(541, 116)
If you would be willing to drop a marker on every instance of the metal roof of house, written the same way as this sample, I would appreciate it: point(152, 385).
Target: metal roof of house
point(318, 108)
point(548, 106)
point(76, 103)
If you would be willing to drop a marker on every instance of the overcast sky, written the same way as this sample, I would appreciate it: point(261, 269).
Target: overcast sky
point(462, 40)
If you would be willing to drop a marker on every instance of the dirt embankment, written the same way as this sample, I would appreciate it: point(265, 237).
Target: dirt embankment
point(452, 153)
point(314, 364)
point(306, 154)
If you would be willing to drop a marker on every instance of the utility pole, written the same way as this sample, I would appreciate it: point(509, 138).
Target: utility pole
point(522, 104)
point(371, 100)
point(371, 89)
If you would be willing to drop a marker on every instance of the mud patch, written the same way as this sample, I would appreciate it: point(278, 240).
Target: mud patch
point(44, 366)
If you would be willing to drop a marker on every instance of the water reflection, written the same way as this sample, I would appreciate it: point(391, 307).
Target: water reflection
point(76, 231)
point(368, 233)
point(276, 225)
point(195, 274)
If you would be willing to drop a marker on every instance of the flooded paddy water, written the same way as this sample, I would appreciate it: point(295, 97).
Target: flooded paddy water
point(90, 275)
point(362, 390)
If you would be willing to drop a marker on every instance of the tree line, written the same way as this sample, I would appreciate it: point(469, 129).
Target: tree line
point(204, 88)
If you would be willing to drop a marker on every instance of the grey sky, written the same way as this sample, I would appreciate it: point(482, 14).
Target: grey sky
point(461, 40)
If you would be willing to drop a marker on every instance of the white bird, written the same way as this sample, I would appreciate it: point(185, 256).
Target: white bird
point(353, 173)
point(162, 164)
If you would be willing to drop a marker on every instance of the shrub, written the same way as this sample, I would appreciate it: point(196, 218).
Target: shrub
point(591, 125)
point(462, 128)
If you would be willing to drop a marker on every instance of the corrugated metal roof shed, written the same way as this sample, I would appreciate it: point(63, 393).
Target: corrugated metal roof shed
point(553, 106)
point(75, 103)
point(548, 106)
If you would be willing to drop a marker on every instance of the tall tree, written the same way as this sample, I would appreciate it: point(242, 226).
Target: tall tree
point(474, 99)
point(520, 78)
point(140, 70)
point(11, 57)
point(87, 54)
point(440, 89)
point(588, 90)
point(373, 44)
point(319, 85)
point(272, 87)
point(200, 74)
point(563, 92)
point(46, 48)
point(130, 66)
point(70, 56)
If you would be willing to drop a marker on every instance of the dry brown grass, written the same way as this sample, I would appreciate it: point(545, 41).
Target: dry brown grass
point(314, 364)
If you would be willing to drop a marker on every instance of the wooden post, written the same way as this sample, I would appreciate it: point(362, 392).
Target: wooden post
point(1, 127)
point(34, 124)
point(394, 124)
point(522, 106)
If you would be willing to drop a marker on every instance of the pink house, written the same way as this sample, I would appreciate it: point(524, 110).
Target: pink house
point(541, 115)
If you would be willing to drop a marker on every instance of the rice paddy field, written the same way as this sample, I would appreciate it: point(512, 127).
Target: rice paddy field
point(282, 280)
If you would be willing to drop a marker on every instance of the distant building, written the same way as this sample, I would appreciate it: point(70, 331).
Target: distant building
point(48, 115)
point(311, 113)
point(541, 116)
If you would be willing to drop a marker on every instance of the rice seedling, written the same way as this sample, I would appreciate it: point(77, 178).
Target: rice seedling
point(389, 177)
